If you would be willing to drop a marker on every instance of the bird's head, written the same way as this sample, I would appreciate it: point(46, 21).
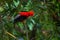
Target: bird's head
point(31, 13)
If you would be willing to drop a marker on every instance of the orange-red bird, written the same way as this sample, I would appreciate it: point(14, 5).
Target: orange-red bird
point(23, 15)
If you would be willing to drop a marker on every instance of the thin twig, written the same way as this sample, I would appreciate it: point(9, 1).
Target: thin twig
point(10, 34)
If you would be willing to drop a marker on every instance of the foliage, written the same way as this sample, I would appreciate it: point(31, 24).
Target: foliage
point(44, 25)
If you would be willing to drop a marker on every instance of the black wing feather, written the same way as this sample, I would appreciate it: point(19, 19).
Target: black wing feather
point(19, 18)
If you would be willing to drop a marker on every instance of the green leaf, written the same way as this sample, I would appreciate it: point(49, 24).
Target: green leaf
point(1, 9)
point(16, 3)
point(20, 25)
point(33, 21)
point(30, 26)
point(28, 6)
point(6, 6)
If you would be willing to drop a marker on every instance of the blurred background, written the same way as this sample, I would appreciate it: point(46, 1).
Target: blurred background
point(44, 25)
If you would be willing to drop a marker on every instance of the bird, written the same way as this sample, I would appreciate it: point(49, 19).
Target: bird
point(23, 16)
